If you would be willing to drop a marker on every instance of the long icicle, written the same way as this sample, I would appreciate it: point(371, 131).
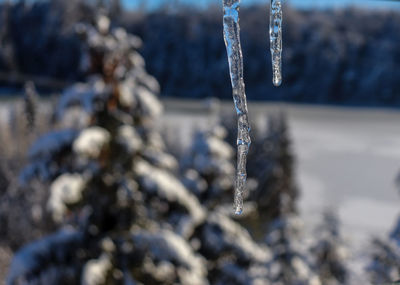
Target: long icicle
point(235, 59)
point(275, 36)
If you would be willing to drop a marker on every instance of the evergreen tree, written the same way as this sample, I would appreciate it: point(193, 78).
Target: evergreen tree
point(103, 164)
point(276, 220)
point(290, 263)
point(385, 256)
point(385, 263)
point(208, 167)
point(30, 104)
point(329, 252)
point(272, 163)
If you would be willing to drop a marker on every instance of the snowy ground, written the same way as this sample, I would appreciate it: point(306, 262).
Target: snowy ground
point(347, 159)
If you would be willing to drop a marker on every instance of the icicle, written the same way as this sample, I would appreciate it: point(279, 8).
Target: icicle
point(275, 35)
point(234, 51)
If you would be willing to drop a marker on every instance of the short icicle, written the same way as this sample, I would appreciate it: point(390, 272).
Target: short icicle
point(275, 36)
point(235, 59)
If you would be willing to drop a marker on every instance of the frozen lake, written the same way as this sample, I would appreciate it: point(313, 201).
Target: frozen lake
point(347, 159)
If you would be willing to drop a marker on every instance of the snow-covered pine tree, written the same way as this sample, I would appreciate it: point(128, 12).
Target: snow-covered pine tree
point(30, 104)
point(385, 264)
point(291, 264)
point(272, 164)
point(21, 218)
point(232, 254)
point(209, 168)
point(385, 256)
point(123, 214)
point(330, 252)
point(275, 220)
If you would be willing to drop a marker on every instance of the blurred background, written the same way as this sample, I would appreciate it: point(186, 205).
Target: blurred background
point(118, 144)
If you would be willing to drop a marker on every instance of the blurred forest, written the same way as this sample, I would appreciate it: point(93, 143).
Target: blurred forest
point(345, 56)
point(92, 191)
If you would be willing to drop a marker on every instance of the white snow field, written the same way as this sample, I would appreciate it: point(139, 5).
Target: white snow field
point(347, 159)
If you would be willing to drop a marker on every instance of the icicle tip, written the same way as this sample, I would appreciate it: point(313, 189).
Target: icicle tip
point(239, 211)
point(277, 82)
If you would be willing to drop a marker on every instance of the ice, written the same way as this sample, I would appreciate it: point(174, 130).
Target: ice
point(235, 59)
point(275, 36)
